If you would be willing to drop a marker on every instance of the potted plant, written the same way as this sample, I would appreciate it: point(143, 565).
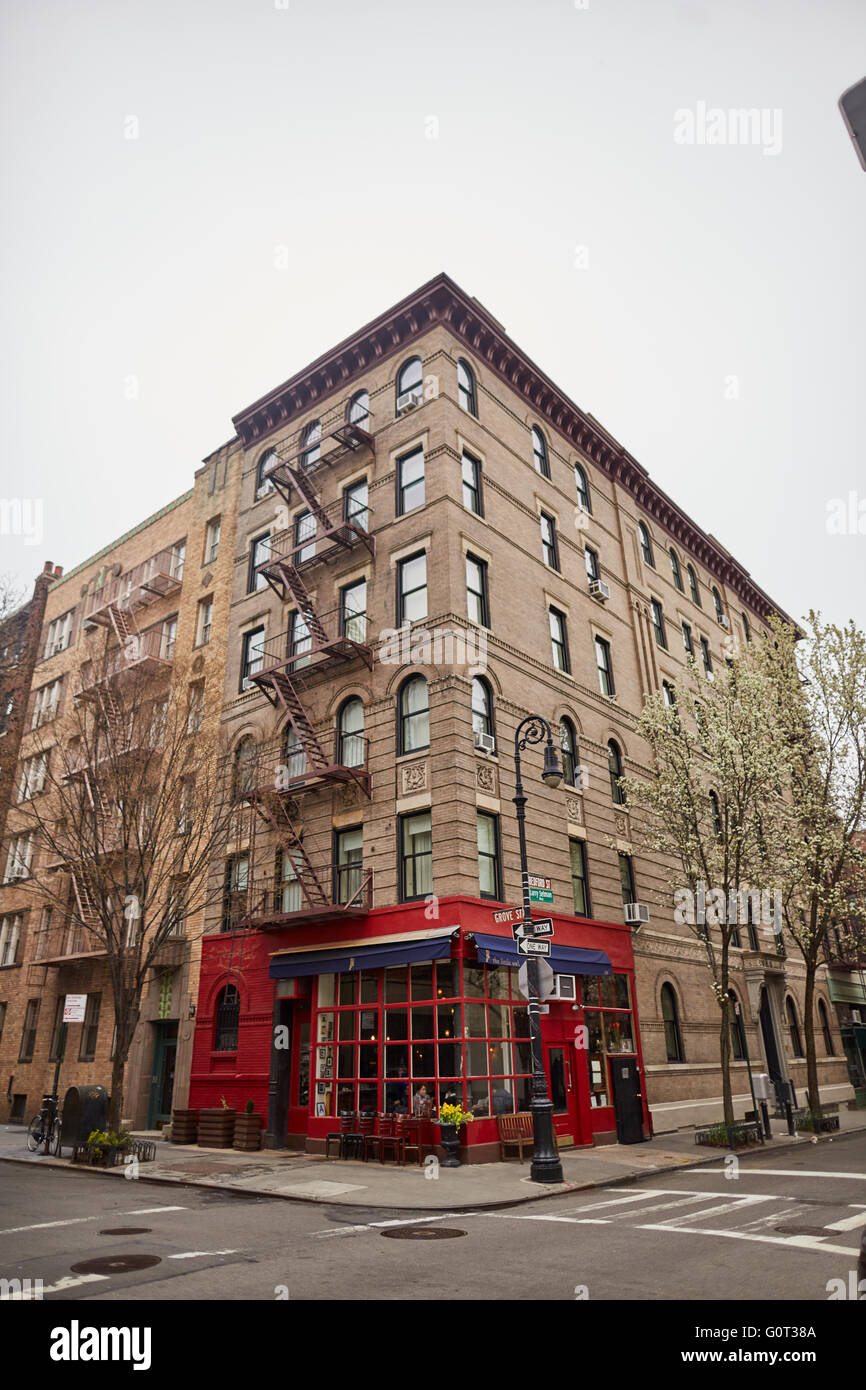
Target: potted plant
point(451, 1117)
point(248, 1128)
point(216, 1128)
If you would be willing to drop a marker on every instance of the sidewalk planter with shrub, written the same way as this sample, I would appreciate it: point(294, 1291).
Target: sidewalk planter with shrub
point(451, 1120)
point(248, 1129)
point(104, 1149)
point(816, 1124)
point(216, 1128)
point(734, 1136)
point(184, 1126)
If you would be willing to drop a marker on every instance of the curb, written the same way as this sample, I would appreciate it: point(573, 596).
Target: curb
point(557, 1190)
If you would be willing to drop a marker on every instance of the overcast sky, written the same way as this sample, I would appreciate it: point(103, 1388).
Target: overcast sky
point(201, 196)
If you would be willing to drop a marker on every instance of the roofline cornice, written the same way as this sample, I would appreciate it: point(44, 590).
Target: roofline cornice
point(441, 301)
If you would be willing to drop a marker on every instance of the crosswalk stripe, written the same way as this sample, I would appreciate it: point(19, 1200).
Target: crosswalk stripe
point(800, 1242)
point(849, 1223)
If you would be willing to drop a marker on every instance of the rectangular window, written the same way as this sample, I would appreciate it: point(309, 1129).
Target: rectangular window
point(659, 624)
point(28, 1032)
point(168, 639)
point(416, 856)
point(2, 1018)
point(626, 878)
point(548, 541)
point(59, 634)
point(18, 856)
point(471, 469)
point(33, 773)
point(687, 640)
point(178, 559)
point(90, 1028)
point(349, 857)
point(56, 1029)
point(45, 704)
point(300, 641)
point(252, 659)
point(235, 890)
point(412, 589)
point(579, 884)
point(410, 482)
point(304, 544)
point(489, 873)
point(204, 622)
point(476, 591)
point(605, 666)
point(196, 707)
point(289, 898)
point(558, 639)
point(353, 611)
point(355, 508)
point(10, 935)
point(260, 551)
point(212, 541)
point(707, 659)
point(591, 561)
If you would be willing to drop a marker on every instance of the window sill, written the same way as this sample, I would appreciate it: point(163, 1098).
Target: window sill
point(12, 965)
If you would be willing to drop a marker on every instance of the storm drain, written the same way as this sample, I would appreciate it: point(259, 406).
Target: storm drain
point(423, 1233)
point(115, 1264)
point(126, 1231)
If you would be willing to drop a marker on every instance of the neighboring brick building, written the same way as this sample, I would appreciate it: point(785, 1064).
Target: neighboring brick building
point(426, 472)
point(20, 632)
point(156, 581)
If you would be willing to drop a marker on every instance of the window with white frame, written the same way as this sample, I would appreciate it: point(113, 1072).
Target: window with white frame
point(178, 559)
point(10, 935)
point(205, 619)
point(33, 774)
point(19, 855)
point(212, 541)
point(168, 639)
point(59, 634)
point(45, 704)
point(196, 707)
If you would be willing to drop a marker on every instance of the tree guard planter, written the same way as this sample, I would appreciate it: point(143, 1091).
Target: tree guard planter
point(216, 1129)
point(184, 1126)
point(247, 1132)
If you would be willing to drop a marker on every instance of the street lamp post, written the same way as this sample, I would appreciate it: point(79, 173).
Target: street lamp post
point(546, 1166)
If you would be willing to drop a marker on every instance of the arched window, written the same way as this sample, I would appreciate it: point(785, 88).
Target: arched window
point(671, 1016)
point(646, 545)
point(482, 707)
point(466, 387)
point(675, 570)
point(294, 756)
point(310, 444)
point(738, 1030)
point(539, 452)
point(244, 780)
point(614, 763)
point(568, 751)
point(350, 726)
point(825, 1029)
point(747, 631)
point(413, 729)
point(409, 382)
point(693, 586)
point(358, 410)
point(266, 464)
point(226, 1019)
point(717, 600)
point(793, 1027)
point(582, 487)
point(715, 814)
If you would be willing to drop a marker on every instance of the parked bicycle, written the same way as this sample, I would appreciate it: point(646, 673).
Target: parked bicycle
point(44, 1129)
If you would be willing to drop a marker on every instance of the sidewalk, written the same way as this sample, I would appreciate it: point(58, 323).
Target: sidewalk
point(348, 1182)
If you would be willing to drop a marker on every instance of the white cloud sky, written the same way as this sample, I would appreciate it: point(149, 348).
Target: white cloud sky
point(305, 127)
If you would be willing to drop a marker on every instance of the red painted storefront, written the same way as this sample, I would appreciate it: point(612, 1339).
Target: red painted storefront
point(369, 1036)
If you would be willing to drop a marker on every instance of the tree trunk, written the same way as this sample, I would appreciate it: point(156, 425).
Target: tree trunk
point(725, 1056)
point(809, 1033)
point(115, 1108)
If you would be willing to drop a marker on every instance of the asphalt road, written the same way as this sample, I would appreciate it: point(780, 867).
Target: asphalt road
point(779, 1229)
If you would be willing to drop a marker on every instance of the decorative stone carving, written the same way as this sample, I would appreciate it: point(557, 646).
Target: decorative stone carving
point(621, 822)
point(574, 809)
point(350, 795)
point(485, 777)
point(413, 778)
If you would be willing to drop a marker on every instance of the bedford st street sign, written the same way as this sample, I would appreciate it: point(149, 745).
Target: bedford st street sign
point(540, 889)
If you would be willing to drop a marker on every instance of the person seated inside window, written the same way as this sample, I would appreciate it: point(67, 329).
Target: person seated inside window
point(423, 1103)
point(503, 1101)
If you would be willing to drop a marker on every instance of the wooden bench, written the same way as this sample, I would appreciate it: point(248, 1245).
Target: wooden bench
point(515, 1130)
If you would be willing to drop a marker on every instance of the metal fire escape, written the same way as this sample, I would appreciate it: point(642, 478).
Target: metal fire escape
point(331, 640)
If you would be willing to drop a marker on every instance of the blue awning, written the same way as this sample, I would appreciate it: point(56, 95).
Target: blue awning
point(343, 956)
point(565, 960)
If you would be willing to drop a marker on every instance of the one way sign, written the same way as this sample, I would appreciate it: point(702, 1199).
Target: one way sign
point(527, 946)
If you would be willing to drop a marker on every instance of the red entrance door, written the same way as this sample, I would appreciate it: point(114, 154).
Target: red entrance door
point(559, 1066)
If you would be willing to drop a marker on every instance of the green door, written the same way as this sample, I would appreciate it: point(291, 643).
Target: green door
point(162, 1074)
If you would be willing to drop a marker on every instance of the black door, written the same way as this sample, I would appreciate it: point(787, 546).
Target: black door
point(281, 1075)
point(627, 1100)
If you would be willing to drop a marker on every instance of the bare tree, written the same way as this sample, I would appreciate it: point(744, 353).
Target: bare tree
point(133, 808)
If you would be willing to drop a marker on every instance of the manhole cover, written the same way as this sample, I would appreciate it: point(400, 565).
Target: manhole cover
point(423, 1233)
point(126, 1231)
point(793, 1230)
point(115, 1264)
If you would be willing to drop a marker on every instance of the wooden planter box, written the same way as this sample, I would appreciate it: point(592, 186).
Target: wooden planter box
point(216, 1128)
point(248, 1132)
point(184, 1126)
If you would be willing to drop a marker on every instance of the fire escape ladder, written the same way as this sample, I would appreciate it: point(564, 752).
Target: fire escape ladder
point(308, 492)
point(298, 590)
point(123, 624)
point(290, 700)
point(86, 906)
point(273, 810)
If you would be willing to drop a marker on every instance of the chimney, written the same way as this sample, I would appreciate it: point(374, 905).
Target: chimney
point(58, 571)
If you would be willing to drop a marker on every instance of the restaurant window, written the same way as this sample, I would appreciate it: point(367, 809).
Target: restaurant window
point(568, 752)
point(90, 1028)
point(610, 1032)
point(466, 387)
point(416, 856)
point(413, 728)
point(671, 1017)
point(412, 589)
point(28, 1032)
point(349, 854)
point(579, 883)
point(489, 871)
point(264, 483)
point(350, 729)
point(227, 1018)
point(410, 481)
point(482, 706)
point(471, 472)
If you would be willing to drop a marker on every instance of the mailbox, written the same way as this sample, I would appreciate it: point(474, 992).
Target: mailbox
point(85, 1108)
point(761, 1082)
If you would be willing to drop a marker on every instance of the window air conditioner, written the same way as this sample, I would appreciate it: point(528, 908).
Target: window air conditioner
point(408, 401)
point(636, 914)
point(599, 590)
point(856, 1016)
point(564, 987)
point(725, 620)
point(486, 742)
